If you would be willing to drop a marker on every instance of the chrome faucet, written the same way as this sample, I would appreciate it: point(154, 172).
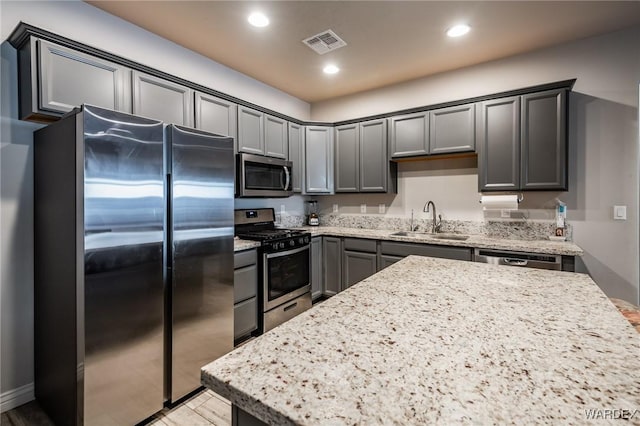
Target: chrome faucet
point(435, 225)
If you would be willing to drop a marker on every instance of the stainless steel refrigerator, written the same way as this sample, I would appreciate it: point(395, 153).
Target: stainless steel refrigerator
point(133, 264)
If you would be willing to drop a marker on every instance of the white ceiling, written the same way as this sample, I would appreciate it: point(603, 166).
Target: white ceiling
point(387, 41)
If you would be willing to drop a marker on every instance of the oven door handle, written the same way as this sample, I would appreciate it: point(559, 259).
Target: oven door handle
point(287, 253)
point(287, 178)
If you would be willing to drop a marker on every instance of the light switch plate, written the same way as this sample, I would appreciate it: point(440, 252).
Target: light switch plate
point(282, 209)
point(505, 213)
point(335, 208)
point(363, 208)
point(620, 212)
point(381, 208)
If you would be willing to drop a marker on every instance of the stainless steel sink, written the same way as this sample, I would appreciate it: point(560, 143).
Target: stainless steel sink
point(456, 237)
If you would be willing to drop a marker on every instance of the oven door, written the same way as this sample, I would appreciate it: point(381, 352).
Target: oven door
point(263, 176)
point(285, 276)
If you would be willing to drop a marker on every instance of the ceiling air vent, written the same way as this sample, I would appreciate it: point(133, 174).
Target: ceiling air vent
point(324, 42)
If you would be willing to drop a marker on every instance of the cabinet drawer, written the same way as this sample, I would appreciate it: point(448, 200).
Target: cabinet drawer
point(245, 258)
point(245, 318)
point(359, 244)
point(245, 283)
point(401, 249)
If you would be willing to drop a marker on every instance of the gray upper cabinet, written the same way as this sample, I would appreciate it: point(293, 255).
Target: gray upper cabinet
point(410, 135)
point(318, 160)
point(347, 160)
point(250, 131)
point(55, 79)
point(522, 143)
point(296, 155)
point(375, 169)
point(276, 136)
point(161, 99)
point(362, 161)
point(215, 115)
point(543, 141)
point(452, 129)
point(499, 145)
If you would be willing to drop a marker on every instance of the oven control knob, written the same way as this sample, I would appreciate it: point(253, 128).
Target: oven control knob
point(274, 246)
point(306, 239)
point(292, 243)
point(300, 240)
point(282, 245)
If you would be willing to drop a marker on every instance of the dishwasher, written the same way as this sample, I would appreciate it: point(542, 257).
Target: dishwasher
point(513, 258)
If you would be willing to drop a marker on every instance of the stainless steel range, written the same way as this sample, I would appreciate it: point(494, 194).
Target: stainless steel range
point(284, 266)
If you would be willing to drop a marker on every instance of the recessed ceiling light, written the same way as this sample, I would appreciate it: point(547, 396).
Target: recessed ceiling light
point(258, 19)
point(458, 30)
point(330, 69)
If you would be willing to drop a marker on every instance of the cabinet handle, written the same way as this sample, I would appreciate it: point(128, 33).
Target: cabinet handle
point(291, 306)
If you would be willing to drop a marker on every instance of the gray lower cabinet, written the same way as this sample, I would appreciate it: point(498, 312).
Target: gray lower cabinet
point(245, 292)
point(215, 115)
point(316, 267)
point(276, 137)
point(386, 260)
point(522, 143)
point(543, 143)
point(400, 250)
point(452, 129)
point(332, 261)
point(296, 155)
point(161, 99)
point(318, 160)
point(359, 260)
point(55, 79)
point(410, 135)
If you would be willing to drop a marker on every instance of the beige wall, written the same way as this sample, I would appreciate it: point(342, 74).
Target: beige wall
point(603, 147)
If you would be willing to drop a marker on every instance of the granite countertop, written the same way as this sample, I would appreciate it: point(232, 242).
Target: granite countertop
point(440, 341)
point(239, 245)
point(475, 241)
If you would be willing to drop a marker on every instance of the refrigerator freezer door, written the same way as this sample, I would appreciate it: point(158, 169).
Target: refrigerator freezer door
point(201, 242)
point(123, 267)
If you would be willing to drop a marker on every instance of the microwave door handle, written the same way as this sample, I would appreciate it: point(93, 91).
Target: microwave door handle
point(287, 178)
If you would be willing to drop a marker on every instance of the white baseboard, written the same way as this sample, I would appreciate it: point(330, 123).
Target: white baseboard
point(15, 397)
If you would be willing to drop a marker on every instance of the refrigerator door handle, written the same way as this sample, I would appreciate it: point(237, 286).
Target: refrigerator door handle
point(287, 177)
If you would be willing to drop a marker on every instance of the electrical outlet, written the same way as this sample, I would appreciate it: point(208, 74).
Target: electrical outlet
point(335, 208)
point(381, 208)
point(363, 208)
point(282, 209)
point(620, 212)
point(505, 213)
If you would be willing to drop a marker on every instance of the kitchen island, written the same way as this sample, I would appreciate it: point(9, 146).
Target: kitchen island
point(435, 341)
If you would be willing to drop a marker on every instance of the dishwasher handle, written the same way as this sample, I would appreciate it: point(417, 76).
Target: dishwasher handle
point(515, 262)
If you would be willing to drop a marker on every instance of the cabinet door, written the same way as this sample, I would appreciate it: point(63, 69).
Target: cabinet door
point(318, 160)
point(250, 131)
point(245, 318)
point(410, 135)
point(161, 99)
point(296, 148)
point(216, 115)
point(316, 267)
point(374, 160)
point(499, 145)
point(544, 141)
point(387, 260)
point(64, 79)
point(276, 136)
point(357, 266)
point(331, 255)
point(347, 159)
point(452, 129)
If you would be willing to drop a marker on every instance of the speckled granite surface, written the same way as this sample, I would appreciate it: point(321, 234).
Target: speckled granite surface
point(239, 245)
point(475, 240)
point(434, 341)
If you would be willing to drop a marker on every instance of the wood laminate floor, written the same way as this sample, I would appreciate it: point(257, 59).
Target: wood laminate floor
point(203, 409)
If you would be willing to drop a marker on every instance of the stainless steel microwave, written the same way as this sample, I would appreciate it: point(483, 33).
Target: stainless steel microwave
point(259, 176)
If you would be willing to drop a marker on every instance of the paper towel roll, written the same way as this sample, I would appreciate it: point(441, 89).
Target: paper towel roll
point(499, 202)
